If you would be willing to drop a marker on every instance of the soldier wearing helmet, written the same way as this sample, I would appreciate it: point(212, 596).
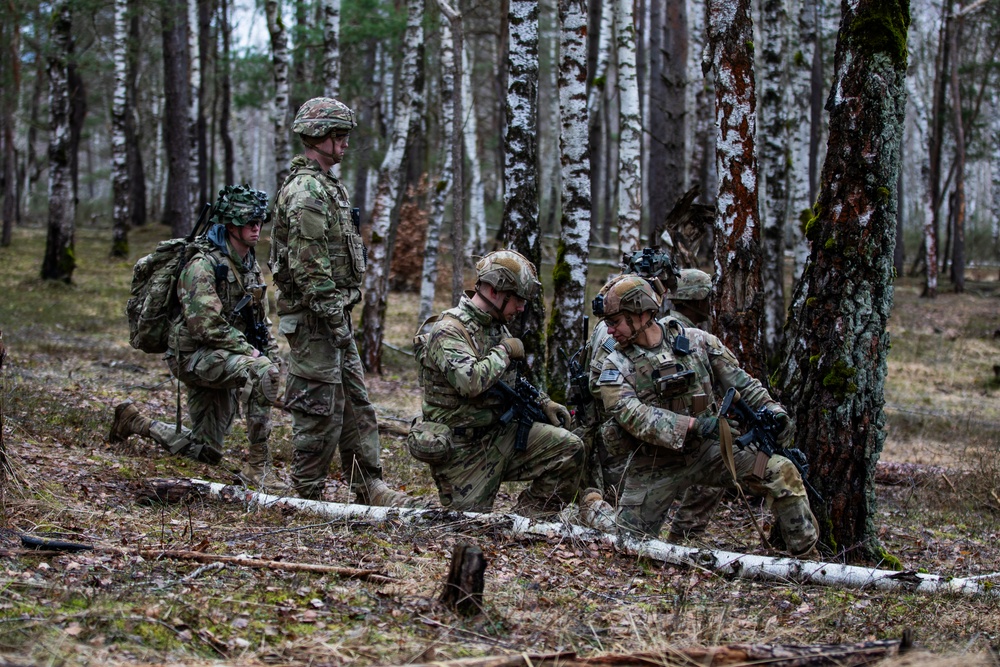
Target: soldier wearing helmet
point(659, 385)
point(221, 342)
point(691, 298)
point(462, 353)
point(318, 260)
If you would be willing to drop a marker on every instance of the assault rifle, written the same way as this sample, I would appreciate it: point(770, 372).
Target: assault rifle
point(256, 330)
point(523, 403)
point(762, 429)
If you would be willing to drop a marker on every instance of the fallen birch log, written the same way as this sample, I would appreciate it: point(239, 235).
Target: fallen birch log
point(725, 563)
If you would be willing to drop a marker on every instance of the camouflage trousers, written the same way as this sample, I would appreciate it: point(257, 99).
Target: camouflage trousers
point(326, 415)
point(214, 380)
point(552, 461)
point(656, 476)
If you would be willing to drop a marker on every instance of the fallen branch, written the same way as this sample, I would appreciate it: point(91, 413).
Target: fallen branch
point(240, 561)
point(724, 563)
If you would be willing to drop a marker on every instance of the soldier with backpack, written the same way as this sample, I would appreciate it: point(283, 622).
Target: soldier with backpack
point(218, 342)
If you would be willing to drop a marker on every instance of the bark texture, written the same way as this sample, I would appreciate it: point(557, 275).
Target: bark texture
point(11, 87)
point(177, 211)
point(800, 83)
point(739, 306)
point(279, 112)
point(331, 47)
point(119, 149)
point(835, 369)
point(630, 131)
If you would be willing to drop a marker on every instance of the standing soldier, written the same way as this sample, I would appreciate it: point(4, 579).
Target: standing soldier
point(221, 342)
point(463, 353)
point(318, 260)
point(659, 387)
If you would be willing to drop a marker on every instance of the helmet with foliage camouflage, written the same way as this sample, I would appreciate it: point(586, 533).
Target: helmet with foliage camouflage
point(509, 271)
point(320, 116)
point(628, 293)
point(240, 205)
point(692, 285)
point(654, 265)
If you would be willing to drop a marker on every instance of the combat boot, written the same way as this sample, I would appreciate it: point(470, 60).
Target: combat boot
point(596, 513)
point(128, 422)
point(378, 494)
point(258, 472)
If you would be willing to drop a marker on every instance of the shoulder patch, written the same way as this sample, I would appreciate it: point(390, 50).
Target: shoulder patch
point(610, 376)
point(314, 204)
point(609, 344)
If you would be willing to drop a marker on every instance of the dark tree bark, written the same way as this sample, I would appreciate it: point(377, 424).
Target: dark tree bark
point(119, 151)
point(59, 261)
point(937, 139)
point(137, 174)
point(177, 207)
point(836, 364)
point(11, 33)
point(77, 116)
point(205, 11)
point(958, 217)
point(463, 591)
point(224, 68)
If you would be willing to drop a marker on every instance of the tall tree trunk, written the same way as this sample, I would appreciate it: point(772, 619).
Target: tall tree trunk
point(739, 305)
point(703, 106)
point(774, 169)
point(801, 84)
point(11, 90)
point(600, 24)
point(279, 110)
point(519, 229)
point(331, 47)
point(205, 51)
point(935, 149)
point(176, 103)
point(194, 106)
point(137, 174)
point(457, 156)
point(898, 256)
point(59, 261)
point(476, 244)
point(301, 49)
point(569, 276)
point(225, 68)
point(835, 369)
point(958, 239)
point(77, 117)
point(994, 151)
point(119, 148)
point(390, 181)
point(630, 134)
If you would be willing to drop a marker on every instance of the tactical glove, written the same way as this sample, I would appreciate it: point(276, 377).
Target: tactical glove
point(514, 347)
point(558, 414)
point(342, 336)
point(707, 427)
point(787, 429)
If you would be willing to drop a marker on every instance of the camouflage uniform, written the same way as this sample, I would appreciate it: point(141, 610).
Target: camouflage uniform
point(318, 260)
point(666, 458)
point(461, 357)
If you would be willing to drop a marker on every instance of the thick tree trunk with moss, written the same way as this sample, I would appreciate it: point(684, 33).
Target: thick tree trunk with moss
point(834, 374)
point(569, 276)
point(519, 229)
point(739, 302)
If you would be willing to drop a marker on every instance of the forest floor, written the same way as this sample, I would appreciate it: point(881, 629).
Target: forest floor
point(69, 364)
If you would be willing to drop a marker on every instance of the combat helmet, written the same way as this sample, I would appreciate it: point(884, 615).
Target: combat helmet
point(508, 271)
point(240, 205)
point(654, 265)
point(629, 294)
point(692, 285)
point(320, 116)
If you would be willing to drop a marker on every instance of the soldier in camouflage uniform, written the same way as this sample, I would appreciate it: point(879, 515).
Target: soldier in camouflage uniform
point(690, 298)
point(462, 354)
point(659, 386)
point(221, 342)
point(318, 260)
point(699, 502)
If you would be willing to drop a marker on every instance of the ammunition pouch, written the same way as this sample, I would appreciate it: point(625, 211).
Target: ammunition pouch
point(430, 442)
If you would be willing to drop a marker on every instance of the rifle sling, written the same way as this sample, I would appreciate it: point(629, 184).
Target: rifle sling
point(728, 458)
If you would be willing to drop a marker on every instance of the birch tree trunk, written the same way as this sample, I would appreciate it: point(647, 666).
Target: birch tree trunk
point(702, 104)
point(519, 229)
point(194, 105)
point(835, 365)
point(958, 238)
point(994, 133)
point(331, 47)
point(774, 169)
point(800, 83)
point(456, 142)
point(205, 57)
point(476, 244)
point(569, 276)
point(739, 301)
point(11, 88)
point(602, 19)
point(390, 181)
point(119, 149)
point(279, 111)
point(440, 189)
point(630, 134)
point(59, 261)
point(177, 211)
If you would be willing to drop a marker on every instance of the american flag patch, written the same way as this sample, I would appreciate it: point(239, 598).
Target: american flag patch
point(609, 344)
point(609, 376)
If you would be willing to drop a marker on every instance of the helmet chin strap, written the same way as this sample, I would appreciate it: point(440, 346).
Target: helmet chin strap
point(314, 146)
point(496, 312)
point(636, 332)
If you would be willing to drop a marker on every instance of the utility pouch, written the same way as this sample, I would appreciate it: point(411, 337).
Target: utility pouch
point(669, 385)
point(429, 442)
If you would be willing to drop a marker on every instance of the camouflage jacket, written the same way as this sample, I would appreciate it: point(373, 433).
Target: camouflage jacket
point(460, 359)
point(658, 413)
point(317, 256)
point(209, 288)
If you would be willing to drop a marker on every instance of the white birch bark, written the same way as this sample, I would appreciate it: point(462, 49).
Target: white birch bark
point(387, 192)
point(995, 164)
point(920, 81)
point(597, 112)
point(800, 84)
point(476, 244)
point(194, 68)
point(331, 47)
point(569, 275)
point(279, 109)
point(630, 134)
point(457, 158)
point(441, 189)
point(119, 152)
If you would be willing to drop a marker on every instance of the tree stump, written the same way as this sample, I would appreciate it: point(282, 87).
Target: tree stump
point(463, 591)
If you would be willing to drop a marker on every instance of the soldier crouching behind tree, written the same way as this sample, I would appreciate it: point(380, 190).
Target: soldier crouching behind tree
point(221, 341)
point(463, 354)
point(659, 387)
